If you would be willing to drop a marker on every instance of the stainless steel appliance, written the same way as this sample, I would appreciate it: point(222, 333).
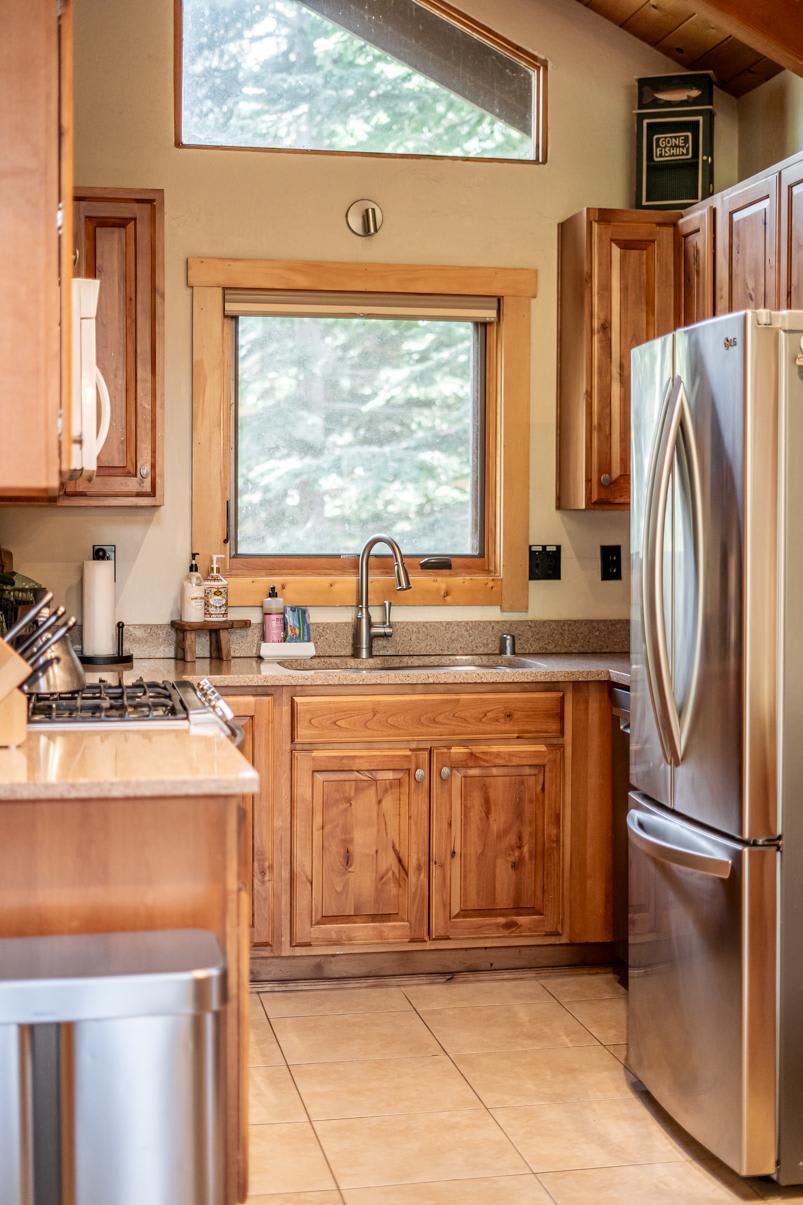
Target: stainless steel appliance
point(716, 751)
point(136, 704)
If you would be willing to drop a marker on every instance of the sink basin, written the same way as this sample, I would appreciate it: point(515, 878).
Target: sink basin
point(400, 665)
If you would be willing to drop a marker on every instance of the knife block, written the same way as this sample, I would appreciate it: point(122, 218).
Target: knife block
point(13, 718)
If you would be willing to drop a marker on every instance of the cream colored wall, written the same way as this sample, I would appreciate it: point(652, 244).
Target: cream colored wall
point(229, 203)
point(770, 123)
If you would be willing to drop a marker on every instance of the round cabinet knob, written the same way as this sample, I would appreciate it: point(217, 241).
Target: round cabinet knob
point(605, 479)
point(144, 472)
point(420, 775)
point(446, 773)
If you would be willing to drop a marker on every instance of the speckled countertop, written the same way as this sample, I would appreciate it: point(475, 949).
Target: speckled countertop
point(250, 672)
point(123, 765)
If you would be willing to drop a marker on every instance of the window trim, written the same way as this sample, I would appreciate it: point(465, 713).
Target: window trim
point(463, 21)
point(503, 578)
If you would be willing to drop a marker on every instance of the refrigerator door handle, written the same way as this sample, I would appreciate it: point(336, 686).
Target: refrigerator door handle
point(686, 431)
point(693, 854)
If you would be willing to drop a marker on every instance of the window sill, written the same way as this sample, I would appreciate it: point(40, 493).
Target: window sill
point(427, 591)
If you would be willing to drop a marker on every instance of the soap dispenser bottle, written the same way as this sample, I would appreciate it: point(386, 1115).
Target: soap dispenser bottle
point(216, 591)
point(273, 618)
point(192, 594)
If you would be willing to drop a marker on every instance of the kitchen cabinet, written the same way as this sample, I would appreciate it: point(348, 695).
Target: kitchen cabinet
point(791, 236)
point(360, 837)
point(617, 289)
point(119, 238)
point(747, 246)
point(496, 841)
point(255, 715)
point(35, 177)
point(695, 275)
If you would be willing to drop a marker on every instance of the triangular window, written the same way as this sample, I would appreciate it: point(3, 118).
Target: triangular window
point(392, 77)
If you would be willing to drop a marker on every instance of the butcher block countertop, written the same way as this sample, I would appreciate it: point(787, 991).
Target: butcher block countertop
point(124, 764)
point(251, 673)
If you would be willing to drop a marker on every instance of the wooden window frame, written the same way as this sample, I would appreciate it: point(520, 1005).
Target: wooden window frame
point(463, 21)
point(500, 577)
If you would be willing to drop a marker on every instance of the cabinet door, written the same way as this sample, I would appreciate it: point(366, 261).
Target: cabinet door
point(695, 234)
point(119, 239)
point(791, 265)
point(360, 840)
point(633, 265)
point(255, 715)
point(747, 236)
point(496, 841)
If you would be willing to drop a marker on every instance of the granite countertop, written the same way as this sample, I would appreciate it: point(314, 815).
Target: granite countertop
point(250, 672)
point(122, 765)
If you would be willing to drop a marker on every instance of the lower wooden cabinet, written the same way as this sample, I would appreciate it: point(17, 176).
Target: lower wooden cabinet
point(496, 841)
point(255, 715)
point(360, 837)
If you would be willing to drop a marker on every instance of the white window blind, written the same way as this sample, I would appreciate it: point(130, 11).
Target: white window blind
point(266, 303)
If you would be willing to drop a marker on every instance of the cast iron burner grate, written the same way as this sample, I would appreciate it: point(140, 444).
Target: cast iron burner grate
point(106, 703)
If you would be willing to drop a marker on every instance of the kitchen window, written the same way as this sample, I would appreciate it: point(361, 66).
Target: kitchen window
point(331, 401)
point(388, 77)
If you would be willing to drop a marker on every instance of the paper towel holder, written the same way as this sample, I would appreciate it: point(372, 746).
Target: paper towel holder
point(118, 660)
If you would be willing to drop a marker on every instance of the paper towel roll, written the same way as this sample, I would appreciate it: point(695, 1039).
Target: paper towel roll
point(99, 609)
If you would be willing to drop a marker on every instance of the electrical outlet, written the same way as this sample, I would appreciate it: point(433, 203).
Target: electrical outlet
point(610, 562)
point(544, 562)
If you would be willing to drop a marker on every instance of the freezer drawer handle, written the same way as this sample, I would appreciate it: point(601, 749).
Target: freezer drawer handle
point(675, 855)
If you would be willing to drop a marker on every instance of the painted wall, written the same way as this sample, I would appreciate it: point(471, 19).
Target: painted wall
point(229, 203)
point(770, 123)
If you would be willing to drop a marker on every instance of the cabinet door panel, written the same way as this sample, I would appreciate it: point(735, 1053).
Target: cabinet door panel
point(119, 240)
point(359, 846)
point(696, 268)
point(747, 234)
point(496, 841)
point(633, 301)
point(791, 264)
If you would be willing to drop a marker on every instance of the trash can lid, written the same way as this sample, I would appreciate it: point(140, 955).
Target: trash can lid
point(95, 976)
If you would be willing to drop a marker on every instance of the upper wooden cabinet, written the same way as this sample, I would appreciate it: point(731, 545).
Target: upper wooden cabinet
point(791, 240)
point(496, 841)
point(695, 277)
point(35, 119)
point(747, 246)
point(617, 289)
point(119, 238)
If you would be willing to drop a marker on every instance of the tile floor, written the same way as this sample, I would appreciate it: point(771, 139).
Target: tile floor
point(491, 1091)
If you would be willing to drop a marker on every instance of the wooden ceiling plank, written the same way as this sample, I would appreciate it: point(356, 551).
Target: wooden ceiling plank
point(772, 27)
point(615, 10)
point(728, 59)
point(657, 18)
point(759, 73)
point(694, 37)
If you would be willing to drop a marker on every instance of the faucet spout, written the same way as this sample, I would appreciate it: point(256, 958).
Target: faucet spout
point(366, 630)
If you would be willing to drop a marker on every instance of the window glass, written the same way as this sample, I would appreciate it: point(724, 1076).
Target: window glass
point(347, 426)
point(386, 76)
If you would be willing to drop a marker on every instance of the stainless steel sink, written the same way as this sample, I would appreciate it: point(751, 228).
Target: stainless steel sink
point(400, 665)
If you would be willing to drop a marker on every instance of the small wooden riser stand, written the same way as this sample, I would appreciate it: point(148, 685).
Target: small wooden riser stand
point(219, 638)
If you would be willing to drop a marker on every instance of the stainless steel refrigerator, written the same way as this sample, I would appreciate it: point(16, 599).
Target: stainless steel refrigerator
point(715, 823)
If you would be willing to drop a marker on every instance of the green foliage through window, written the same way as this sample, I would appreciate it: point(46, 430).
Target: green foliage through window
point(375, 76)
point(346, 426)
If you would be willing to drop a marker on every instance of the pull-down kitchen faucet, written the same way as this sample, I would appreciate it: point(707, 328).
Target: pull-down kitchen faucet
point(366, 630)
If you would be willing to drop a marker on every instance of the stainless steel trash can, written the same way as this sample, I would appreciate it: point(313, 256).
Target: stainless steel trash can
point(111, 1086)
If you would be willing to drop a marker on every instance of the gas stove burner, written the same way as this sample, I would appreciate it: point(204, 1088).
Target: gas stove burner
point(105, 703)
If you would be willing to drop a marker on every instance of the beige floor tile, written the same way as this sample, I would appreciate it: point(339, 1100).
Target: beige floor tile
point(341, 1038)
point(607, 1019)
point(584, 986)
point(286, 1158)
point(651, 1184)
point(263, 1049)
point(373, 1151)
point(619, 1050)
point(297, 1198)
point(334, 1000)
point(602, 1133)
point(496, 1190)
point(272, 1096)
point(380, 1087)
point(768, 1190)
point(255, 1010)
point(494, 991)
point(473, 1029)
point(520, 1077)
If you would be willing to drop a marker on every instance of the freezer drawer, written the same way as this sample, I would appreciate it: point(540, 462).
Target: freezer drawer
point(702, 982)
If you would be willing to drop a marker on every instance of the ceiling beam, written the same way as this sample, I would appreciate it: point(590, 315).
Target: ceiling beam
point(773, 27)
